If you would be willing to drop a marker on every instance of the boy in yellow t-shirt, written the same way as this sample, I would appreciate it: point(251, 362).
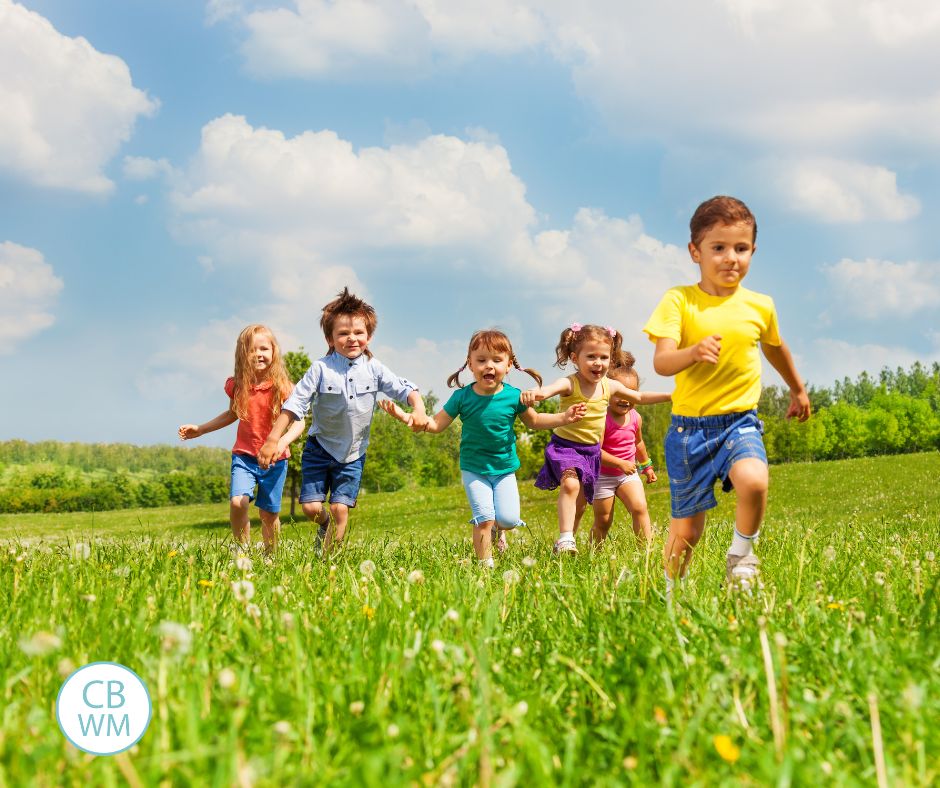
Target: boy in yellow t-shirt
point(707, 335)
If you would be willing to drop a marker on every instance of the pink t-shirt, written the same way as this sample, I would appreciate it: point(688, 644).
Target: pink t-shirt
point(253, 431)
point(620, 440)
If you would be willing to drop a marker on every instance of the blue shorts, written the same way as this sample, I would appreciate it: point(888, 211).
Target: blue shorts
point(246, 473)
point(492, 498)
point(321, 473)
point(700, 450)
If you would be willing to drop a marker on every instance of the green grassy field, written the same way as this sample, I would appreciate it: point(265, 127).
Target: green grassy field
point(429, 670)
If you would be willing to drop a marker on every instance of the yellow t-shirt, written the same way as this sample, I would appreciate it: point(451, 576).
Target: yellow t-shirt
point(590, 429)
point(743, 320)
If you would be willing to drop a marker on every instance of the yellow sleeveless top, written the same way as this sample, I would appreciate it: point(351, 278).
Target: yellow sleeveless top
point(590, 429)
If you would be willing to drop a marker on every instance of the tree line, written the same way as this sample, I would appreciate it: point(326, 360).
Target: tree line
point(895, 412)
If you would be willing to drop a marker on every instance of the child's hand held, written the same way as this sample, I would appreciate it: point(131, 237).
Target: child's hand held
point(650, 475)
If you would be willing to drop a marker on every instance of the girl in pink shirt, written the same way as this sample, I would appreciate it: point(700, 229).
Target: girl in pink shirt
point(623, 458)
point(256, 391)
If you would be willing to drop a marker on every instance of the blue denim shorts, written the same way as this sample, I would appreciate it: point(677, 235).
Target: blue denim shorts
point(322, 473)
point(701, 450)
point(246, 473)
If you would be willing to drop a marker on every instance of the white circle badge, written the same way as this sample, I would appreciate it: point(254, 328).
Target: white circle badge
point(103, 708)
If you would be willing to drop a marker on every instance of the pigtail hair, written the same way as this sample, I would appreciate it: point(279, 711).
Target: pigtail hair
point(620, 358)
point(454, 380)
point(563, 349)
point(530, 372)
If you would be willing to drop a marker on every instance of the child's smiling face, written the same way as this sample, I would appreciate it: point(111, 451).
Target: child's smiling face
point(618, 405)
point(350, 336)
point(592, 359)
point(724, 257)
point(261, 355)
point(488, 367)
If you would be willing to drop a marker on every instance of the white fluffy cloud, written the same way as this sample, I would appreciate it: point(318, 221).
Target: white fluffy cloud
point(304, 215)
point(843, 191)
point(28, 292)
point(67, 108)
point(874, 289)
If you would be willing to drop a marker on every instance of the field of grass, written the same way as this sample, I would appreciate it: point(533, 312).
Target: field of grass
point(400, 662)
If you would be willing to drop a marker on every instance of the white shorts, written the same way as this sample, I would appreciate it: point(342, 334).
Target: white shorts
point(606, 486)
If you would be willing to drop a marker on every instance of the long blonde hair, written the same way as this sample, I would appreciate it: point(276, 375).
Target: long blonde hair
point(245, 376)
point(496, 342)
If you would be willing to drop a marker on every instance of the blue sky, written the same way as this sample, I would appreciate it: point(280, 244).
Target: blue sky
point(170, 172)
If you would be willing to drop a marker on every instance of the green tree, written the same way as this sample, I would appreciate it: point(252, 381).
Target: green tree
point(297, 363)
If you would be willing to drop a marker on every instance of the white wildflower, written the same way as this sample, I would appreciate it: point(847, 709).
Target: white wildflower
point(438, 646)
point(452, 615)
point(176, 637)
point(253, 610)
point(89, 598)
point(282, 728)
point(243, 562)
point(356, 708)
point(516, 651)
point(81, 551)
point(416, 577)
point(522, 708)
point(227, 678)
point(392, 731)
point(244, 590)
point(40, 644)
point(287, 619)
point(880, 578)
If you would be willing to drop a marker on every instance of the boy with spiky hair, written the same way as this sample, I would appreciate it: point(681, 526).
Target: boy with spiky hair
point(707, 335)
point(341, 388)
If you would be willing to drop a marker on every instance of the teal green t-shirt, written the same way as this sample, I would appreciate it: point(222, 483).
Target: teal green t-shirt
point(488, 442)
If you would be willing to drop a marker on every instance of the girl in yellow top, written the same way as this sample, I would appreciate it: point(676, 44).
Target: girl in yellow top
point(573, 455)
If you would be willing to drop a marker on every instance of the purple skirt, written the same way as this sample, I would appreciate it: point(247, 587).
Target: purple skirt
point(562, 455)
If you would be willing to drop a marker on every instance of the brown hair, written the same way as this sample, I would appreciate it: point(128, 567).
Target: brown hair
point(245, 376)
point(576, 335)
point(625, 370)
point(346, 303)
point(720, 210)
point(496, 342)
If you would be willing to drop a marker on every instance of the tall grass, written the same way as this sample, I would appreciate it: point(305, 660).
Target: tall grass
point(401, 662)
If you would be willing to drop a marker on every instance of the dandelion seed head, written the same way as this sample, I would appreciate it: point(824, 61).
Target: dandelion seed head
point(357, 707)
point(452, 615)
point(176, 638)
point(227, 678)
point(243, 563)
point(367, 568)
point(392, 731)
point(40, 644)
point(244, 590)
point(438, 646)
point(510, 577)
point(416, 577)
point(528, 562)
point(253, 610)
point(81, 551)
point(282, 728)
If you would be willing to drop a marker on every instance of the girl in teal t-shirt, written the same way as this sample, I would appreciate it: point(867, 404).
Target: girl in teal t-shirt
point(488, 459)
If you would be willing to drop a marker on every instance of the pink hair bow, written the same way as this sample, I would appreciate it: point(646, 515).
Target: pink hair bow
point(611, 330)
point(576, 327)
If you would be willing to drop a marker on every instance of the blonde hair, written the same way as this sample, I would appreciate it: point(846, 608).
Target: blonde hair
point(576, 335)
point(496, 342)
point(245, 376)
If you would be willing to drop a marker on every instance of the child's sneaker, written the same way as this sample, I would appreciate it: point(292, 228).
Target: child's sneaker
point(565, 544)
point(742, 571)
point(499, 539)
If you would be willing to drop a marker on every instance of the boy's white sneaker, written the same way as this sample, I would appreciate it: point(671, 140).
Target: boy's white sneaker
point(565, 544)
point(742, 571)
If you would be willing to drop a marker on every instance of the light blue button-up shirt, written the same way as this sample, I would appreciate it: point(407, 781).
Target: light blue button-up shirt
point(342, 392)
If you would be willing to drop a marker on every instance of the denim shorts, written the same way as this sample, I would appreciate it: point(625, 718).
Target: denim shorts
point(246, 473)
point(701, 450)
point(492, 498)
point(322, 473)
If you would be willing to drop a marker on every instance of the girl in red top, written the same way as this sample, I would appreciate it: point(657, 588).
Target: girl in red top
point(623, 459)
point(256, 391)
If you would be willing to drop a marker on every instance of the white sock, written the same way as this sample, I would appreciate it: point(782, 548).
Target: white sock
point(669, 582)
point(563, 537)
point(741, 544)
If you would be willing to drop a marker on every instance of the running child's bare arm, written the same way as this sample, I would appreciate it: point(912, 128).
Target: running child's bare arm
point(781, 360)
point(548, 421)
point(437, 423)
point(187, 431)
point(642, 455)
point(669, 360)
point(560, 386)
point(613, 461)
point(636, 397)
point(293, 433)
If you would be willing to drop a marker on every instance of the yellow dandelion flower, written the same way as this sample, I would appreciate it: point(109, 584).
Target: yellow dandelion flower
point(659, 715)
point(205, 584)
point(726, 748)
point(172, 553)
point(368, 612)
point(835, 606)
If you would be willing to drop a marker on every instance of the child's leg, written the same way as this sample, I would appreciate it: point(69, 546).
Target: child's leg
point(336, 534)
point(270, 529)
point(633, 497)
point(482, 499)
point(579, 513)
point(315, 511)
point(506, 505)
point(603, 518)
point(238, 516)
point(684, 534)
point(570, 497)
point(750, 479)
